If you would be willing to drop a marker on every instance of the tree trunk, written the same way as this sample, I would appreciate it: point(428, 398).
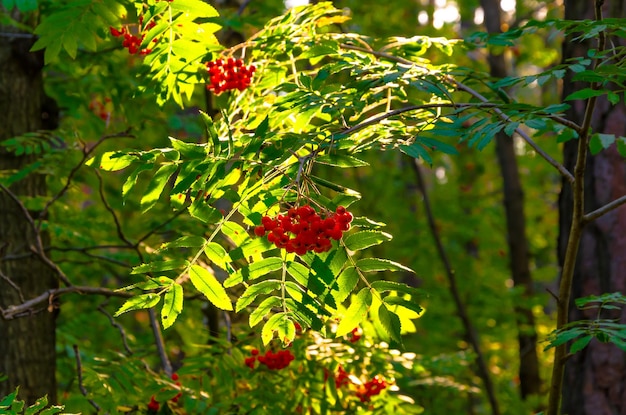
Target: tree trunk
point(530, 381)
point(595, 377)
point(27, 344)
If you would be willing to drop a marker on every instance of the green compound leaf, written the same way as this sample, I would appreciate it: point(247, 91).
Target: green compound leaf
point(282, 325)
point(378, 264)
point(156, 186)
point(402, 302)
point(255, 270)
point(356, 312)
point(580, 344)
point(366, 239)
point(263, 310)
point(37, 406)
point(385, 286)
point(299, 272)
point(172, 305)
point(253, 291)
point(112, 161)
point(208, 285)
point(391, 323)
point(216, 254)
point(341, 161)
point(160, 266)
point(346, 282)
point(139, 302)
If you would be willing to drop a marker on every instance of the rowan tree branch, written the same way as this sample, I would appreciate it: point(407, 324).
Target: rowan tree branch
point(79, 374)
point(462, 87)
point(591, 216)
point(87, 151)
point(27, 307)
point(38, 249)
point(574, 237)
point(117, 325)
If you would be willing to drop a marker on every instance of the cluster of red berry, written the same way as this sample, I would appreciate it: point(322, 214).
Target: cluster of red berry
point(365, 391)
point(302, 230)
point(273, 361)
point(132, 42)
point(153, 405)
point(228, 75)
point(342, 378)
point(354, 335)
point(370, 388)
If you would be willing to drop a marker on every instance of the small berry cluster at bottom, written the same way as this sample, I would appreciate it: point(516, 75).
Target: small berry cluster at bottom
point(303, 230)
point(273, 361)
point(365, 391)
point(228, 75)
point(154, 405)
point(370, 388)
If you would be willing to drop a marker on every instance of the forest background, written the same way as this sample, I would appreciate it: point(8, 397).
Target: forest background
point(484, 226)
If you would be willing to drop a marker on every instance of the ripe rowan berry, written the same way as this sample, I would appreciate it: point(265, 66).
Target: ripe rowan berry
point(153, 405)
point(229, 75)
point(303, 230)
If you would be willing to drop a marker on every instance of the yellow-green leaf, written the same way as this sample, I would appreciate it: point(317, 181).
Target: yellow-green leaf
point(208, 285)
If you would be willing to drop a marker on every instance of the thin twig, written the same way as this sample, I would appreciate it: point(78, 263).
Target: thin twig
point(163, 224)
point(14, 285)
point(461, 309)
point(160, 343)
point(591, 216)
point(118, 225)
point(79, 373)
point(86, 153)
point(117, 325)
point(38, 248)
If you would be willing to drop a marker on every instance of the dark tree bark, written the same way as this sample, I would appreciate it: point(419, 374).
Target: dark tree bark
point(595, 378)
point(27, 344)
point(530, 381)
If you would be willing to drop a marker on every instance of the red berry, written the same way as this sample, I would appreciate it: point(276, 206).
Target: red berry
point(153, 405)
point(259, 230)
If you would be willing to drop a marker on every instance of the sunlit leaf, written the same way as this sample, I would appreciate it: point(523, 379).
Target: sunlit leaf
point(207, 284)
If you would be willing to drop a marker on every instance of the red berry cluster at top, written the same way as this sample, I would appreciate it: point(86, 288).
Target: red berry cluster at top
point(273, 361)
point(302, 230)
point(132, 42)
point(226, 75)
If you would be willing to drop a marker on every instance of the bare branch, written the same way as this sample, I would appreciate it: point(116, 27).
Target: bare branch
point(79, 373)
point(38, 248)
point(108, 207)
point(117, 325)
point(461, 308)
point(86, 153)
point(12, 284)
point(160, 343)
point(27, 307)
point(591, 216)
